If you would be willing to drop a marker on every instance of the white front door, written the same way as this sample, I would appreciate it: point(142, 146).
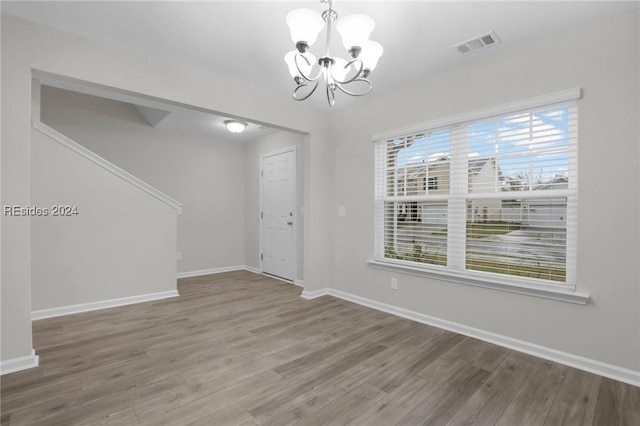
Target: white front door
point(278, 219)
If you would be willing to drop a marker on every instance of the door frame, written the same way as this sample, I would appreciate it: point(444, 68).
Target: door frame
point(295, 211)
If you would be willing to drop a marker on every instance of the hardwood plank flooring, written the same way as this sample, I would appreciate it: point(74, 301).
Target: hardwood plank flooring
point(244, 349)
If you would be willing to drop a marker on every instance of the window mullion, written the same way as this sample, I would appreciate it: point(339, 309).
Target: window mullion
point(530, 152)
point(456, 237)
point(381, 176)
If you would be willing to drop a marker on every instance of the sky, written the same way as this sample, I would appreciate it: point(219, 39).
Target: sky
point(531, 144)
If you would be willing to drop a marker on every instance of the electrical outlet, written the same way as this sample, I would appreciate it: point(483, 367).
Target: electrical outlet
point(394, 283)
point(179, 255)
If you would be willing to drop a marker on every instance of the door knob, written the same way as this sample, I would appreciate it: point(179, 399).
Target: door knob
point(289, 223)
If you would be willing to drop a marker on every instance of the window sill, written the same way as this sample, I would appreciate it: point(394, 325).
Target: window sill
point(563, 295)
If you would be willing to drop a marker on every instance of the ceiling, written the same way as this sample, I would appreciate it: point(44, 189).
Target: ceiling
point(165, 115)
point(247, 40)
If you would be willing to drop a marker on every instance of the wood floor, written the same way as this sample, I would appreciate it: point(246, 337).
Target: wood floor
point(243, 349)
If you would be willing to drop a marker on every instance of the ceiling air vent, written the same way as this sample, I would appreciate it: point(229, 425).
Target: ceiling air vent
point(480, 42)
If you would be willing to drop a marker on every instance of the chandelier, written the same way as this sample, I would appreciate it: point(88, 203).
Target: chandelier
point(337, 73)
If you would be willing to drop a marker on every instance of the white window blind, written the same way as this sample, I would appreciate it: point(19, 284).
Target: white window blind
point(490, 196)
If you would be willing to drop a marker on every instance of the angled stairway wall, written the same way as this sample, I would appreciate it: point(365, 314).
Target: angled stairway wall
point(119, 248)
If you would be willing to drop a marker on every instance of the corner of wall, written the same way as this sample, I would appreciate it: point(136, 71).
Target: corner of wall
point(14, 365)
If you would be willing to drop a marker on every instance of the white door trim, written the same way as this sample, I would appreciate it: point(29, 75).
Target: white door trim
point(295, 208)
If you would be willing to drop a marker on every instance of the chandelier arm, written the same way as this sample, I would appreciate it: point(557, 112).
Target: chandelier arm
point(315, 86)
point(302, 74)
point(339, 86)
point(356, 77)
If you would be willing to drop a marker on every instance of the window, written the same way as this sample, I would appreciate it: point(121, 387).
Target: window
point(433, 183)
point(496, 198)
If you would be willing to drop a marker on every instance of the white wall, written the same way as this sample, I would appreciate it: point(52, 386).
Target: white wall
point(206, 175)
point(216, 180)
point(601, 58)
point(27, 46)
point(253, 153)
point(121, 243)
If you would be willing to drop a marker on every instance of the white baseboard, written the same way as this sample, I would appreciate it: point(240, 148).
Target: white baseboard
point(296, 281)
point(318, 293)
point(202, 272)
point(252, 269)
point(18, 364)
point(247, 268)
point(103, 304)
point(603, 369)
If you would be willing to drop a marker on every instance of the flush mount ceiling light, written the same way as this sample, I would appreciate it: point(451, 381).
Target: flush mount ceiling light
point(305, 25)
point(235, 126)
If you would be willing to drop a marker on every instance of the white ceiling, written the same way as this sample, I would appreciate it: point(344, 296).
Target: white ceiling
point(165, 115)
point(247, 40)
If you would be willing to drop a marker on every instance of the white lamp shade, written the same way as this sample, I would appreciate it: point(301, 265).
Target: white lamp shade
point(371, 52)
point(290, 59)
point(355, 30)
point(305, 25)
point(235, 126)
point(338, 70)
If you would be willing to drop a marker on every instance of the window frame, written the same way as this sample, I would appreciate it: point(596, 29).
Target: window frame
point(456, 272)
